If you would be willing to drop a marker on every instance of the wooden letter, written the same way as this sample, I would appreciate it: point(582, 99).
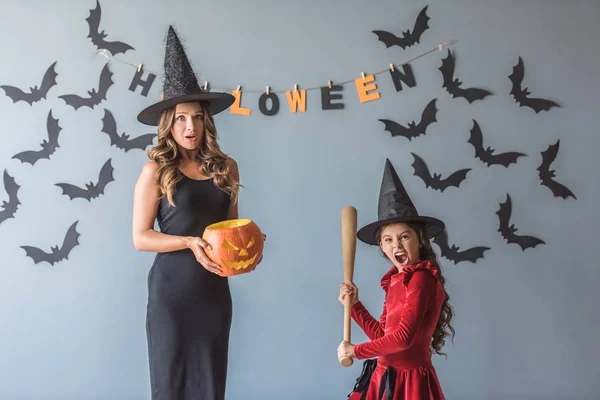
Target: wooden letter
point(362, 88)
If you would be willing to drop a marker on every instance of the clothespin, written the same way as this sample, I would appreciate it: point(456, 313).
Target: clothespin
point(139, 68)
point(392, 67)
point(440, 47)
point(329, 84)
point(238, 88)
point(267, 90)
point(206, 85)
point(363, 75)
point(295, 87)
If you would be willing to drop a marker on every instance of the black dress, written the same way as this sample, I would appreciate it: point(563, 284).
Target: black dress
point(189, 309)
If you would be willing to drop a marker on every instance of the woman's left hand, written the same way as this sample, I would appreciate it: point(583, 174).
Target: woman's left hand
point(346, 349)
point(261, 256)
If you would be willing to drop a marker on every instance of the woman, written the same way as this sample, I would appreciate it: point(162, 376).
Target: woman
point(416, 313)
point(188, 184)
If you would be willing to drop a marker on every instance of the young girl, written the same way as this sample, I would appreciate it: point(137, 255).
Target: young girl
point(416, 313)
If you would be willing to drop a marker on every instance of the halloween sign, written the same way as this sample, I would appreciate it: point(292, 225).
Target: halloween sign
point(236, 245)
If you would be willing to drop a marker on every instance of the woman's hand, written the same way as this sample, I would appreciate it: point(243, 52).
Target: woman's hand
point(345, 349)
point(348, 289)
point(197, 245)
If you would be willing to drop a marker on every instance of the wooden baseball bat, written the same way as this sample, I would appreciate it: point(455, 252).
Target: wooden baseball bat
point(348, 253)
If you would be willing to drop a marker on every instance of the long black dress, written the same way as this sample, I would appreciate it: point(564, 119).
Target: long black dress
point(189, 309)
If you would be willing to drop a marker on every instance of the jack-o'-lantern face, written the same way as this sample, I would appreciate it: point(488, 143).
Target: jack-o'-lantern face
point(242, 254)
point(237, 245)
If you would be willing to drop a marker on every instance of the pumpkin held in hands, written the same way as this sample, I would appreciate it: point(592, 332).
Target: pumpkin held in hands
point(237, 245)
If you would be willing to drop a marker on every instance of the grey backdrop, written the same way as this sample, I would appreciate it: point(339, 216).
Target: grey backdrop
point(526, 321)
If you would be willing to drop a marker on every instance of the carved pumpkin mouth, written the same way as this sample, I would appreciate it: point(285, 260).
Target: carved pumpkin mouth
point(239, 264)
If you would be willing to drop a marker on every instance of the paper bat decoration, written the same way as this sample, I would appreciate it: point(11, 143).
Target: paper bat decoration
point(408, 38)
point(98, 37)
point(546, 174)
point(452, 253)
point(91, 190)
point(508, 230)
point(94, 97)
point(436, 182)
point(35, 94)
point(521, 96)
point(56, 254)
point(452, 85)
point(48, 146)
point(9, 208)
point(109, 126)
point(487, 155)
point(428, 116)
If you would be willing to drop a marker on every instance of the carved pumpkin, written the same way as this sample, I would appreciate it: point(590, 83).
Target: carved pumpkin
point(237, 245)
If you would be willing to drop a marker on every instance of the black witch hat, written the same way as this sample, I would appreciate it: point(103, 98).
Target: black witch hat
point(180, 85)
point(396, 206)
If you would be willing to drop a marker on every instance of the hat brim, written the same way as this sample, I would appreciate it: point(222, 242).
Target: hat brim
point(368, 233)
point(218, 102)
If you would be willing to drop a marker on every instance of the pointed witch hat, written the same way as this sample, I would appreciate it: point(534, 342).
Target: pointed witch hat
point(180, 85)
point(396, 206)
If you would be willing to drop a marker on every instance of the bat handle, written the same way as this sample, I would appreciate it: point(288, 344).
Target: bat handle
point(347, 361)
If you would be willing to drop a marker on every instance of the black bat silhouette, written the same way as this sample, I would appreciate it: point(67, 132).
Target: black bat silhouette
point(487, 155)
point(48, 146)
point(546, 174)
point(508, 230)
point(436, 182)
point(521, 95)
point(453, 254)
point(56, 254)
point(98, 37)
point(109, 126)
point(94, 98)
point(34, 94)
point(428, 116)
point(91, 190)
point(408, 38)
point(10, 206)
point(452, 85)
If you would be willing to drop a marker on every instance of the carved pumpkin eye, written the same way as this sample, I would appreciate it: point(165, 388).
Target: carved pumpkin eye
point(251, 242)
point(227, 245)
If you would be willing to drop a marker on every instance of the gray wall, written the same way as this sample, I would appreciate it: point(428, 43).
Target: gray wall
point(526, 321)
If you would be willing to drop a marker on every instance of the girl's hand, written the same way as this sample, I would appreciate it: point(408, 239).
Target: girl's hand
point(348, 289)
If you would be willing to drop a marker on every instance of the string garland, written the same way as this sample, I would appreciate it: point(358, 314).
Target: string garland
point(391, 67)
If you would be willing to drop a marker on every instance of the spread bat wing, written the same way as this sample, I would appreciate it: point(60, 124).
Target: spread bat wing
point(452, 253)
point(487, 155)
point(521, 95)
point(48, 146)
point(422, 171)
point(453, 86)
point(56, 254)
point(547, 175)
point(97, 37)
point(408, 38)
point(109, 126)
point(9, 208)
point(428, 116)
point(35, 94)
point(95, 97)
point(92, 190)
point(507, 230)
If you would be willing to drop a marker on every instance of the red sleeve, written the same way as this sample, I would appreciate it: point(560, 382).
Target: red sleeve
point(372, 328)
point(420, 292)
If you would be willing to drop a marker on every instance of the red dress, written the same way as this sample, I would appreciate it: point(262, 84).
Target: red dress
point(400, 339)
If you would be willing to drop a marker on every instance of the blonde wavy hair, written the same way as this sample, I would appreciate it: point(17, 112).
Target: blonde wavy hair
point(168, 157)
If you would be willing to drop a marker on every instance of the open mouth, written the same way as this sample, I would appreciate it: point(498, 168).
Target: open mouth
point(402, 258)
point(190, 137)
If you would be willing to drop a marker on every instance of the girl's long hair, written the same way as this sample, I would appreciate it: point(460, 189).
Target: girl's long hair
point(444, 327)
point(212, 160)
